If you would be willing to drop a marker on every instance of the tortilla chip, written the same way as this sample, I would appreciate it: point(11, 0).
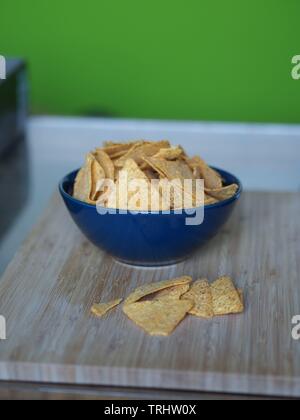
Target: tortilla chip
point(151, 288)
point(209, 200)
point(106, 163)
point(83, 182)
point(200, 293)
point(109, 143)
point(157, 201)
point(172, 192)
point(158, 317)
point(212, 178)
point(174, 171)
point(148, 161)
point(150, 174)
point(101, 309)
point(170, 153)
point(98, 177)
point(174, 292)
point(146, 196)
point(130, 173)
point(115, 150)
point(139, 152)
point(171, 169)
point(223, 193)
point(88, 180)
point(133, 171)
point(225, 297)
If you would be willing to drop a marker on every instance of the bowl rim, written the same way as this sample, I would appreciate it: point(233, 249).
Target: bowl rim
point(223, 203)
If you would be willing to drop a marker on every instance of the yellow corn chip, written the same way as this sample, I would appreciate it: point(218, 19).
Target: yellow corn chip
point(200, 293)
point(209, 200)
point(174, 292)
point(115, 150)
point(225, 297)
point(175, 171)
point(101, 309)
point(158, 317)
point(106, 163)
point(139, 152)
point(83, 182)
point(171, 169)
point(148, 289)
point(127, 176)
point(170, 153)
point(98, 177)
point(151, 174)
point(212, 178)
point(133, 170)
point(146, 196)
point(223, 193)
point(89, 180)
point(148, 161)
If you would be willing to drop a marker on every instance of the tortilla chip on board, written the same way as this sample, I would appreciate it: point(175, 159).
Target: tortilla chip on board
point(174, 292)
point(151, 288)
point(225, 297)
point(158, 317)
point(101, 309)
point(200, 293)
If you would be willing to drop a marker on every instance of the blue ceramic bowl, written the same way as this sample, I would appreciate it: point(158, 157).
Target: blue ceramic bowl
point(148, 239)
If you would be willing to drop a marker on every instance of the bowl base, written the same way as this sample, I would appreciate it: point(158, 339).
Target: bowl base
point(149, 265)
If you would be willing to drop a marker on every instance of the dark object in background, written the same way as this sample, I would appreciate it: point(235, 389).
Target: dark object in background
point(14, 165)
point(14, 184)
point(13, 103)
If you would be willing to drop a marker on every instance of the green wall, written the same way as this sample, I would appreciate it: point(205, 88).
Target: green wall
point(193, 59)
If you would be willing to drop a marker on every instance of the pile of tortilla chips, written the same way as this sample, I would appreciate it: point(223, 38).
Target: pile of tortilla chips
point(158, 308)
point(146, 161)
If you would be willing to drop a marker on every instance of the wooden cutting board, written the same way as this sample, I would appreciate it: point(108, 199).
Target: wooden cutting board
point(48, 290)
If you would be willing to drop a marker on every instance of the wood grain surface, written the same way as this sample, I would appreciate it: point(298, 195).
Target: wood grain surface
point(48, 290)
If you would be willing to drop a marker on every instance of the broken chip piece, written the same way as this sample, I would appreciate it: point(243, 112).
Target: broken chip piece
point(101, 309)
